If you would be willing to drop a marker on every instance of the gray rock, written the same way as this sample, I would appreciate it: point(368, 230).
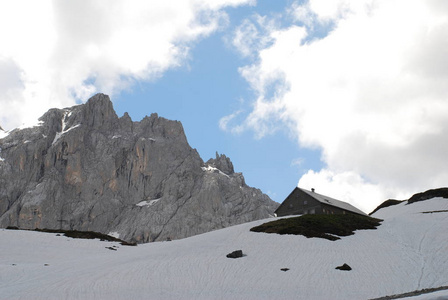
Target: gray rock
point(235, 254)
point(84, 168)
point(222, 163)
point(344, 267)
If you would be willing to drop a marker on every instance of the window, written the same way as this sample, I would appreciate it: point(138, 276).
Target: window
point(305, 202)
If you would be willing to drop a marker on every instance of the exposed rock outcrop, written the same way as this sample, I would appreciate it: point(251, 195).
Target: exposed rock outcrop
point(385, 204)
point(222, 163)
point(429, 194)
point(84, 168)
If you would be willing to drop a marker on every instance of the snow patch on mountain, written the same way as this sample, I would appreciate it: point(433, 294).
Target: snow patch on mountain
point(147, 202)
point(59, 134)
point(3, 133)
point(211, 169)
point(64, 125)
point(114, 234)
point(31, 125)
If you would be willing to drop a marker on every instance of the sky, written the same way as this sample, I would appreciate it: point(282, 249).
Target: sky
point(349, 97)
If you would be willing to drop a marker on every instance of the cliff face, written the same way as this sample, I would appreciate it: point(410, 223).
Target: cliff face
point(83, 168)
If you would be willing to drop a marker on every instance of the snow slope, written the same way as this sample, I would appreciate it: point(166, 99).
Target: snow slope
point(409, 251)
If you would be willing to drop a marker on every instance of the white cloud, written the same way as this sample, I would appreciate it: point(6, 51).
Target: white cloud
point(64, 51)
point(224, 123)
point(246, 35)
point(349, 185)
point(297, 162)
point(371, 94)
point(252, 35)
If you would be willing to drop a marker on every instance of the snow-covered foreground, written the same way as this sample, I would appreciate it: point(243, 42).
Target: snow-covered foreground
point(409, 251)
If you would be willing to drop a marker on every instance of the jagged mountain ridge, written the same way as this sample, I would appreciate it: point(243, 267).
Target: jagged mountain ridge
point(84, 168)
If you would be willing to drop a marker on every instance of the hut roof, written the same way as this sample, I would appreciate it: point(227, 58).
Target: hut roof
point(333, 202)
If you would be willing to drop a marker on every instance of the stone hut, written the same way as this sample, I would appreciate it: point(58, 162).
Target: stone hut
point(301, 202)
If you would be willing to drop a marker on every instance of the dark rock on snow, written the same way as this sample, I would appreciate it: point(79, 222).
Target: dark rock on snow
point(429, 194)
point(235, 254)
point(284, 269)
point(385, 204)
point(84, 168)
point(440, 192)
point(344, 267)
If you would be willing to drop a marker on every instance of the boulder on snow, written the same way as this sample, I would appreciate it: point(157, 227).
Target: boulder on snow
point(235, 254)
point(344, 267)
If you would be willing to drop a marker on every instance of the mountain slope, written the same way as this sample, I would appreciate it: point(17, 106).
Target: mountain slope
point(406, 253)
point(83, 168)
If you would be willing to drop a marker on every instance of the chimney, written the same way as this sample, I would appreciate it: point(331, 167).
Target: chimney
point(312, 190)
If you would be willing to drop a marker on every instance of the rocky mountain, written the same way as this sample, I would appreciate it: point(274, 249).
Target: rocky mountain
point(84, 168)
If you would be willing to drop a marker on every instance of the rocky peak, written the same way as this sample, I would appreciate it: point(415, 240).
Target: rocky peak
point(222, 163)
point(126, 122)
point(52, 120)
point(83, 168)
point(161, 127)
point(98, 111)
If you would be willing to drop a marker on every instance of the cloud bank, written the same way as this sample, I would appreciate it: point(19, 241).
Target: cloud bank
point(371, 93)
point(57, 53)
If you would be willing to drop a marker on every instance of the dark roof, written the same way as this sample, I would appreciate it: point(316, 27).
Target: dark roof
point(333, 202)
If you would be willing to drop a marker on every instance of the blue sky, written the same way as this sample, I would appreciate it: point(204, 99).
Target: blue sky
point(209, 87)
point(346, 96)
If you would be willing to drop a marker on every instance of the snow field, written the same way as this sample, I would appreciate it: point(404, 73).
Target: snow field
point(407, 252)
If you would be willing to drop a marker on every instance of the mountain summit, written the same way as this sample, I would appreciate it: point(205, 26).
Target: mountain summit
point(84, 168)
